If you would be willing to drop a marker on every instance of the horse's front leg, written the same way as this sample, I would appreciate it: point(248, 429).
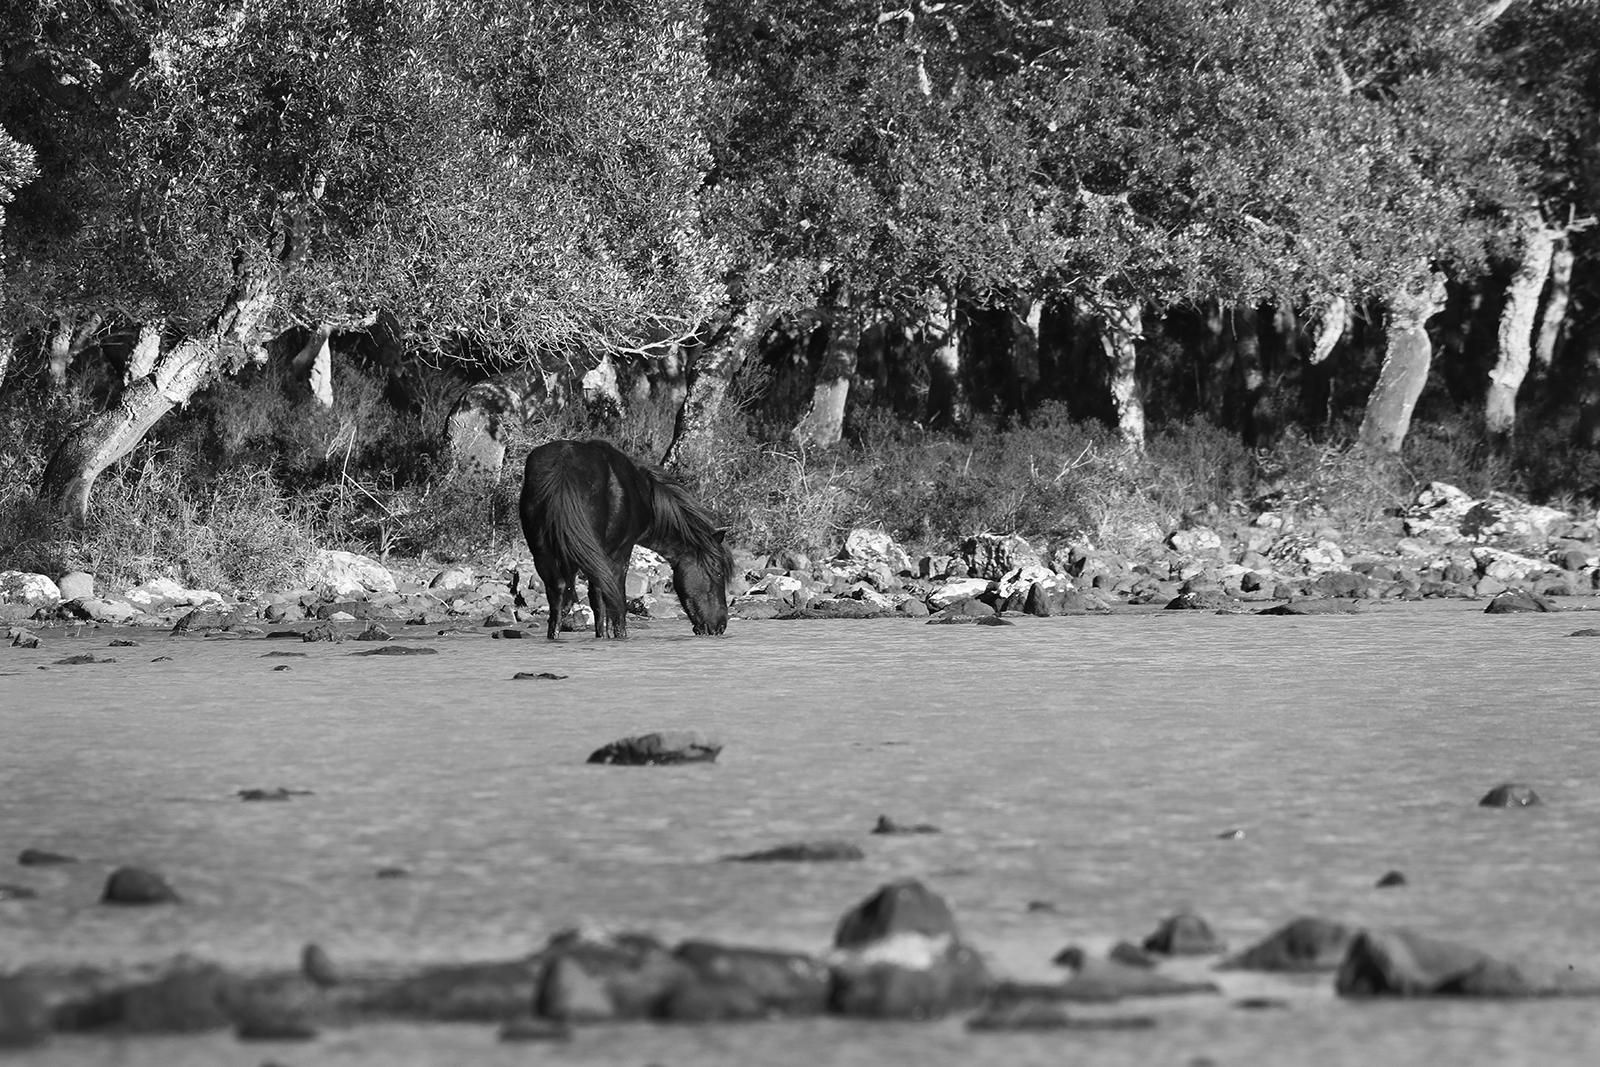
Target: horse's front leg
point(619, 596)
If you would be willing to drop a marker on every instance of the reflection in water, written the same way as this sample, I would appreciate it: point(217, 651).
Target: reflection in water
point(1088, 762)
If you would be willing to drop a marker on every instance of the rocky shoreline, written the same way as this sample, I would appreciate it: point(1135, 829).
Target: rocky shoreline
point(1445, 545)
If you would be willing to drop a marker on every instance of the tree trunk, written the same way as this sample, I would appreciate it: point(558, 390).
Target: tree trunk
point(1121, 326)
point(1516, 328)
point(7, 346)
point(602, 390)
point(177, 376)
point(1329, 330)
point(1405, 365)
point(142, 360)
point(713, 371)
point(314, 362)
point(947, 391)
point(823, 424)
point(1555, 305)
point(1026, 314)
point(67, 344)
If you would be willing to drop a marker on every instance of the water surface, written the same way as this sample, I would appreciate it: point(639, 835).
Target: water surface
point(1088, 762)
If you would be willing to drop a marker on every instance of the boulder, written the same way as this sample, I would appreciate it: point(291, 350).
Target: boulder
point(1509, 795)
point(1184, 934)
point(453, 579)
point(93, 609)
point(459, 992)
point(1518, 600)
point(28, 590)
point(188, 998)
point(587, 976)
point(163, 594)
point(1399, 963)
point(874, 546)
point(338, 575)
point(1208, 599)
point(1196, 541)
point(886, 825)
point(1304, 944)
point(957, 590)
point(648, 750)
point(136, 885)
point(724, 982)
point(75, 585)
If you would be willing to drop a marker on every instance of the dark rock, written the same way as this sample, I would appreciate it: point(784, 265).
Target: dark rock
point(1260, 1003)
point(374, 632)
point(24, 1015)
point(276, 793)
point(323, 631)
point(38, 857)
point(198, 620)
point(8, 891)
point(1311, 607)
point(318, 967)
point(122, 642)
point(1034, 907)
point(24, 639)
point(1516, 600)
point(886, 825)
point(546, 676)
point(1210, 599)
point(727, 982)
point(899, 956)
point(461, 992)
point(285, 655)
point(1130, 955)
point(1589, 632)
point(524, 1030)
point(501, 617)
point(273, 1026)
point(1341, 584)
point(1391, 879)
point(1184, 934)
point(283, 667)
point(397, 650)
point(992, 620)
point(135, 885)
point(906, 906)
point(1305, 944)
point(86, 657)
point(509, 633)
point(1399, 963)
point(187, 999)
point(389, 873)
point(912, 608)
point(1234, 834)
point(1037, 602)
point(1509, 795)
point(275, 612)
point(624, 976)
point(803, 852)
point(648, 750)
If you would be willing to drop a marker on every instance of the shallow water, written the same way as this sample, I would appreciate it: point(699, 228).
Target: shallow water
point(1090, 762)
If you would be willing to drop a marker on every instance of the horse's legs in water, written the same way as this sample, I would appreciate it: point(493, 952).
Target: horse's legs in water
point(617, 595)
point(557, 592)
point(597, 605)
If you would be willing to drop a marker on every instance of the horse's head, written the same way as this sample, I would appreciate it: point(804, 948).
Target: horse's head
point(701, 579)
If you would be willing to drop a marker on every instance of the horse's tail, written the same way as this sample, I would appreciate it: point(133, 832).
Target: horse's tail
point(557, 507)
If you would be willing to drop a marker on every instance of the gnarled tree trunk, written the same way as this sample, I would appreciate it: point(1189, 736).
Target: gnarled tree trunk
point(1121, 327)
point(7, 346)
point(67, 343)
point(1555, 305)
point(314, 362)
point(176, 376)
point(823, 423)
point(602, 389)
point(1516, 328)
point(1329, 330)
point(1406, 358)
point(709, 378)
point(146, 350)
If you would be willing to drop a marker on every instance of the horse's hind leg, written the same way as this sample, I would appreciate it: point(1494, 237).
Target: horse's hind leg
point(597, 605)
point(557, 594)
point(617, 598)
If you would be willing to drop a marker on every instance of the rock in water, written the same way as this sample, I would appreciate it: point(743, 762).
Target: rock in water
point(1509, 795)
point(1306, 944)
point(1399, 963)
point(24, 1016)
point(898, 955)
point(1184, 934)
point(649, 750)
point(804, 852)
point(135, 885)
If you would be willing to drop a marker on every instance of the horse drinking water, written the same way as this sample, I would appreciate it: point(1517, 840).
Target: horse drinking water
point(585, 505)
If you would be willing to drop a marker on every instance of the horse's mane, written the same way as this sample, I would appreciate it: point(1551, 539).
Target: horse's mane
point(679, 519)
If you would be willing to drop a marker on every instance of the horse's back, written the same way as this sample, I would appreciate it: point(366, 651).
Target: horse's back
point(563, 479)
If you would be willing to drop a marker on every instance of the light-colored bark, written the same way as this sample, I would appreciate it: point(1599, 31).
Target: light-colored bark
point(602, 391)
point(7, 346)
point(823, 423)
point(1026, 314)
point(1329, 329)
point(713, 371)
point(314, 362)
point(146, 350)
point(1121, 328)
point(948, 392)
point(66, 344)
point(1559, 291)
point(1408, 353)
point(178, 375)
point(1516, 327)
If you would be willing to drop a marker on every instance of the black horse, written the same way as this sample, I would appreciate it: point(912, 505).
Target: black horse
point(585, 505)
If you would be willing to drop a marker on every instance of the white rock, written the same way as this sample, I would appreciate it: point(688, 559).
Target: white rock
point(1198, 541)
point(875, 546)
point(160, 594)
point(957, 590)
point(454, 578)
point(34, 590)
point(346, 574)
point(75, 584)
point(1018, 580)
point(777, 585)
point(911, 950)
point(1322, 556)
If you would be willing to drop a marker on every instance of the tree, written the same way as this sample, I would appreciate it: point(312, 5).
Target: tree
point(16, 170)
